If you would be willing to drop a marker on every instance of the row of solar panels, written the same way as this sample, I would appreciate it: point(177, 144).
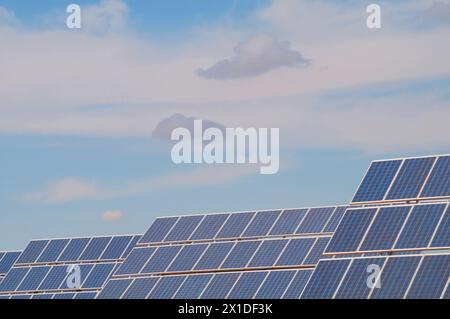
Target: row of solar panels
point(225, 255)
point(237, 285)
point(7, 260)
point(77, 250)
point(422, 277)
point(243, 225)
point(414, 178)
point(62, 295)
point(413, 227)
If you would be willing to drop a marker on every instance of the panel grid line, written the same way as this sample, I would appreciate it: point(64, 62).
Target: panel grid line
point(413, 277)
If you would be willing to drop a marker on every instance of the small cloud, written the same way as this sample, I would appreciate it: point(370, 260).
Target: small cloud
point(7, 18)
point(164, 128)
point(65, 190)
point(112, 215)
point(258, 55)
point(106, 16)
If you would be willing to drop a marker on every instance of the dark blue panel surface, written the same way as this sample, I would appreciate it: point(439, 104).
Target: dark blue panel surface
point(116, 247)
point(64, 296)
point(159, 230)
point(334, 221)
point(261, 224)
point(288, 222)
point(442, 237)
point(188, 257)
point(214, 256)
point(131, 246)
point(13, 279)
point(166, 287)
point(247, 285)
point(241, 254)
point(8, 261)
point(411, 178)
point(351, 230)
point(161, 259)
point(317, 251)
point(184, 228)
point(95, 248)
point(396, 277)
point(32, 252)
point(74, 249)
point(420, 227)
point(33, 278)
point(235, 225)
point(275, 285)
point(326, 279)
point(438, 183)
point(86, 295)
point(114, 289)
point(135, 261)
point(385, 228)
point(377, 181)
point(209, 227)
point(98, 276)
point(295, 252)
point(54, 279)
point(220, 286)
point(268, 253)
point(315, 220)
point(360, 278)
point(298, 284)
point(431, 279)
point(140, 288)
point(193, 287)
point(53, 250)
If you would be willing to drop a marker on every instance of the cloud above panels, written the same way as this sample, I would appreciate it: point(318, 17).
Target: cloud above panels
point(164, 128)
point(256, 56)
point(113, 215)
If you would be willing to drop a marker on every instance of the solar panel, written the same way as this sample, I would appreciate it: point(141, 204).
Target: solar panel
point(7, 260)
point(295, 252)
point(167, 287)
point(193, 287)
point(315, 220)
point(235, 225)
point(298, 284)
point(275, 285)
point(209, 227)
point(184, 228)
point(288, 222)
point(140, 288)
point(261, 224)
point(438, 184)
point(247, 285)
point(158, 230)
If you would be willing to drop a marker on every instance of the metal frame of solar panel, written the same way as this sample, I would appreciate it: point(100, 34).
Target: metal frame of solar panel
point(263, 254)
point(48, 268)
point(405, 179)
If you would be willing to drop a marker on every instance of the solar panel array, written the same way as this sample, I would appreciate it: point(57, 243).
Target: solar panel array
point(406, 179)
point(44, 268)
point(267, 254)
point(7, 260)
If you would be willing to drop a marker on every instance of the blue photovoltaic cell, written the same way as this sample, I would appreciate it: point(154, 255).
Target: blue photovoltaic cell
point(116, 248)
point(447, 293)
point(86, 295)
point(209, 227)
point(431, 278)
point(241, 254)
point(297, 285)
point(275, 285)
point(354, 285)
point(13, 279)
point(335, 219)
point(158, 230)
point(33, 278)
point(317, 251)
point(53, 250)
point(438, 183)
point(220, 286)
point(8, 261)
point(54, 279)
point(288, 222)
point(130, 247)
point(377, 181)
point(315, 220)
point(268, 253)
point(135, 261)
point(74, 249)
point(385, 228)
point(98, 276)
point(325, 279)
point(193, 287)
point(161, 259)
point(396, 277)
point(95, 248)
point(247, 285)
point(351, 230)
point(114, 289)
point(140, 288)
point(261, 224)
point(214, 256)
point(21, 297)
point(184, 228)
point(42, 296)
point(411, 178)
point(188, 257)
point(420, 226)
point(235, 225)
point(64, 296)
point(166, 287)
point(295, 252)
point(442, 237)
point(32, 252)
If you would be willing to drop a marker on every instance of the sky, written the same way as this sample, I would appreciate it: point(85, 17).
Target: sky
point(79, 107)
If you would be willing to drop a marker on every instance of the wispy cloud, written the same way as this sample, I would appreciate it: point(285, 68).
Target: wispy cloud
point(112, 215)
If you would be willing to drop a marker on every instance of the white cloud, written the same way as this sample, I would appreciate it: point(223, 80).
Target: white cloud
point(112, 215)
point(256, 56)
point(104, 17)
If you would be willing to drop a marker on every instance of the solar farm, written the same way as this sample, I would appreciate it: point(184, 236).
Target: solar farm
point(397, 223)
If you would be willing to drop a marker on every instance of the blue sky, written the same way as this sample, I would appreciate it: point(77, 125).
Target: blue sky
point(79, 106)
